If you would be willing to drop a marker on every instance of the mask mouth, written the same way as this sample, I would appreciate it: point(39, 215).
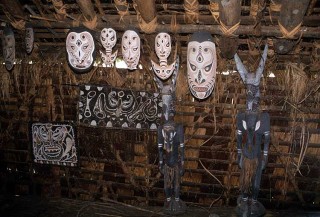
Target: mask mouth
point(200, 89)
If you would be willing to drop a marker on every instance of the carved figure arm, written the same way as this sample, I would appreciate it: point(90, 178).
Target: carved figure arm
point(160, 149)
point(181, 141)
point(266, 141)
point(240, 128)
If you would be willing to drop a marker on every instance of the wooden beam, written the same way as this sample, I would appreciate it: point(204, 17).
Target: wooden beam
point(268, 31)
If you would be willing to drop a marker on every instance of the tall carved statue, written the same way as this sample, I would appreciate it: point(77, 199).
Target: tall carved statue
point(252, 157)
point(170, 134)
point(171, 164)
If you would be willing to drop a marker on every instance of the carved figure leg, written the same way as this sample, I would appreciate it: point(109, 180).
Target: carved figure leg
point(178, 206)
point(257, 209)
point(246, 181)
point(168, 178)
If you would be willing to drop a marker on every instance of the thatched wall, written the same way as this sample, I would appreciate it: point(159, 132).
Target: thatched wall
point(123, 164)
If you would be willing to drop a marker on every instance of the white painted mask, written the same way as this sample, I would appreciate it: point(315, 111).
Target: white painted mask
point(81, 50)
point(201, 64)
point(29, 38)
point(8, 46)
point(108, 38)
point(130, 46)
point(163, 50)
point(163, 47)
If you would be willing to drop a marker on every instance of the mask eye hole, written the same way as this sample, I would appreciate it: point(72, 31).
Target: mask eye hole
point(208, 67)
point(193, 67)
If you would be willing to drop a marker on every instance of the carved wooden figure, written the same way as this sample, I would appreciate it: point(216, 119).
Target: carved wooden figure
point(252, 158)
point(254, 126)
point(171, 164)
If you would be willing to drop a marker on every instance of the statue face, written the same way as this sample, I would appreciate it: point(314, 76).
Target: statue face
point(201, 68)
point(131, 48)
point(80, 48)
point(108, 38)
point(167, 107)
point(8, 46)
point(29, 39)
point(168, 134)
point(163, 46)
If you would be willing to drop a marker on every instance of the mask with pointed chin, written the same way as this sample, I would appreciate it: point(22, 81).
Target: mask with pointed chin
point(80, 49)
point(8, 46)
point(108, 39)
point(201, 64)
point(163, 50)
point(130, 46)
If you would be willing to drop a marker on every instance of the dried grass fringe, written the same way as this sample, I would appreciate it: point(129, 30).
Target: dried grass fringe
point(294, 82)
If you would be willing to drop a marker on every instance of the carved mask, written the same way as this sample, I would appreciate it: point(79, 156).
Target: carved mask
point(163, 50)
point(29, 38)
point(163, 47)
point(8, 46)
point(130, 46)
point(81, 50)
point(201, 64)
point(108, 38)
point(252, 80)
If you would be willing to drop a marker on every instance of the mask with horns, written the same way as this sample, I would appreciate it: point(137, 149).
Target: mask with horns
point(130, 46)
point(81, 50)
point(8, 46)
point(252, 80)
point(201, 64)
point(163, 50)
point(108, 38)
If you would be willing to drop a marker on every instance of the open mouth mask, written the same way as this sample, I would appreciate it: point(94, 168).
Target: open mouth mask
point(108, 38)
point(8, 46)
point(130, 46)
point(201, 64)
point(81, 50)
point(163, 50)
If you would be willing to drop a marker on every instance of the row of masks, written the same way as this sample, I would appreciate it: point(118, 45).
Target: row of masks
point(201, 55)
point(80, 47)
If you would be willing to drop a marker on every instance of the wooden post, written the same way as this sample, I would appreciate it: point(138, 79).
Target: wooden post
point(229, 15)
point(290, 18)
point(147, 9)
point(191, 8)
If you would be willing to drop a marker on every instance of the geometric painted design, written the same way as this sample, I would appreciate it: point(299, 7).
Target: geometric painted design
point(110, 107)
point(54, 143)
